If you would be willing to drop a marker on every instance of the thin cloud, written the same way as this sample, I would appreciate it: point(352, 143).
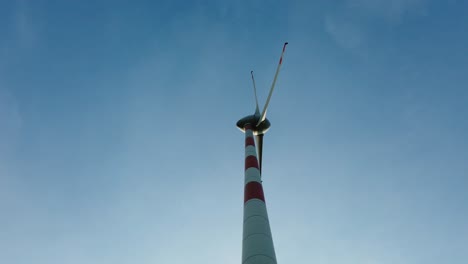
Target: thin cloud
point(10, 125)
point(390, 11)
point(26, 35)
point(23, 26)
point(10, 118)
point(347, 35)
point(351, 23)
point(22, 33)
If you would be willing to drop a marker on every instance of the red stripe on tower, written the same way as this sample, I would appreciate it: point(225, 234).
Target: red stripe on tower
point(251, 162)
point(253, 190)
point(249, 141)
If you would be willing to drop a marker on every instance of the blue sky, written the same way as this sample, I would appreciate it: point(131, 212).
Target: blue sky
point(118, 141)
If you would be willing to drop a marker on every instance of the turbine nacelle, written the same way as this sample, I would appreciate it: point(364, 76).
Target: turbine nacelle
point(253, 120)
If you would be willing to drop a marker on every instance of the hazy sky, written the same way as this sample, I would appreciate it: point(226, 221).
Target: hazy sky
point(118, 141)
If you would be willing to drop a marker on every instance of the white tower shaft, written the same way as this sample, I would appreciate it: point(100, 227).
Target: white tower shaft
point(257, 243)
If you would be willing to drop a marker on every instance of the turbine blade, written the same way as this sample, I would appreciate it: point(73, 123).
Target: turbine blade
point(259, 139)
point(263, 116)
point(257, 110)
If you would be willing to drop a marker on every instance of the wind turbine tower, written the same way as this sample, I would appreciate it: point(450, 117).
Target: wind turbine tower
point(257, 242)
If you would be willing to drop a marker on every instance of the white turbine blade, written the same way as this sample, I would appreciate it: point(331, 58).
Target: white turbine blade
point(263, 116)
point(257, 110)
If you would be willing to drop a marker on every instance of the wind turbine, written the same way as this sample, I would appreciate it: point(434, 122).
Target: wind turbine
point(257, 242)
